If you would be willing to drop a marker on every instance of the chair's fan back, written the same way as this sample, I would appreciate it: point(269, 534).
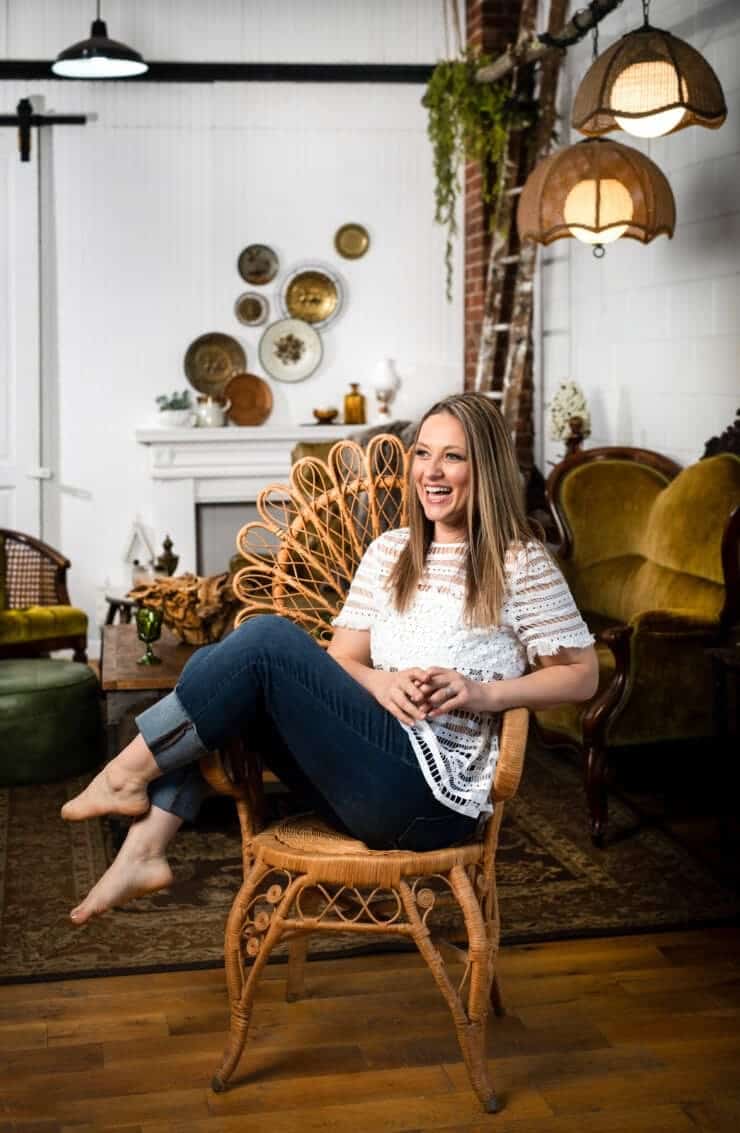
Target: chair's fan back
point(302, 554)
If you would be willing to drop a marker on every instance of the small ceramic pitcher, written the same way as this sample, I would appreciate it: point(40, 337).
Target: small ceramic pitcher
point(211, 414)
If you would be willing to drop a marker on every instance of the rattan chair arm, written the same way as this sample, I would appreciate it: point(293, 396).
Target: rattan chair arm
point(512, 744)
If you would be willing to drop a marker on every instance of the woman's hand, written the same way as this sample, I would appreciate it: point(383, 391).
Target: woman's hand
point(399, 693)
point(446, 690)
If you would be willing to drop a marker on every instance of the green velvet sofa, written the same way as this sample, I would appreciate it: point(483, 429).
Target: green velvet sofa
point(36, 616)
point(651, 553)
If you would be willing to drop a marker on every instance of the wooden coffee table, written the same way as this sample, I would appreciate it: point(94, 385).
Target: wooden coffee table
point(128, 687)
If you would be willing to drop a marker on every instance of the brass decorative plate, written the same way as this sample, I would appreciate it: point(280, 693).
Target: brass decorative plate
point(313, 293)
point(211, 360)
point(251, 309)
point(290, 350)
point(258, 264)
point(352, 241)
point(250, 397)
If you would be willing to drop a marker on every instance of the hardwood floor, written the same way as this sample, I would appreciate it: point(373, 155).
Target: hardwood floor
point(635, 1034)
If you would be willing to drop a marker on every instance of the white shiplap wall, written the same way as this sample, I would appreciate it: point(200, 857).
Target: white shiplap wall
point(651, 333)
point(156, 196)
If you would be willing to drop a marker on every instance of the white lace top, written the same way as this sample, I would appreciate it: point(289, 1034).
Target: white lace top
point(458, 751)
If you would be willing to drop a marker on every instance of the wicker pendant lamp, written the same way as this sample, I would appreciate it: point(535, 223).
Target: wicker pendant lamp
point(598, 191)
point(649, 83)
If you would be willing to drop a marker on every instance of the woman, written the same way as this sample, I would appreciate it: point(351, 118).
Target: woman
point(392, 733)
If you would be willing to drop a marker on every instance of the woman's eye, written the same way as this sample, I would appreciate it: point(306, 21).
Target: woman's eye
point(420, 452)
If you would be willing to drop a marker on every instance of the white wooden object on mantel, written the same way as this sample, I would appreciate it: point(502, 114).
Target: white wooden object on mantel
point(230, 465)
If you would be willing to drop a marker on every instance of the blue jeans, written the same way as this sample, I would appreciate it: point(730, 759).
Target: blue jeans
point(315, 726)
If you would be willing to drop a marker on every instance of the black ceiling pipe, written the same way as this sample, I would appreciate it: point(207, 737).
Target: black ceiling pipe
point(420, 73)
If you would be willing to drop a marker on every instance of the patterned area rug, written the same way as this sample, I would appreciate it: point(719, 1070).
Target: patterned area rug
point(552, 883)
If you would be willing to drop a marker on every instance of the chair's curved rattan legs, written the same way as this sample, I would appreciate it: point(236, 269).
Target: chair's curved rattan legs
point(470, 1024)
point(297, 950)
point(497, 1002)
point(241, 1008)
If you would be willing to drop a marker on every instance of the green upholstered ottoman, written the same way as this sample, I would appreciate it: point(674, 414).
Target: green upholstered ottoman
point(50, 721)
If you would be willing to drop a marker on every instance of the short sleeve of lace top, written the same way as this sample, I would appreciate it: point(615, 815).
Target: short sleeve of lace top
point(541, 606)
point(360, 608)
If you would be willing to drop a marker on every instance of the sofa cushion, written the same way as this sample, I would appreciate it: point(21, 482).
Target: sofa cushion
point(688, 518)
point(36, 623)
point(608, 505)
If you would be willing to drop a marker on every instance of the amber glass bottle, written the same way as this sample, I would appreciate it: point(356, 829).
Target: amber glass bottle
point(354, 405)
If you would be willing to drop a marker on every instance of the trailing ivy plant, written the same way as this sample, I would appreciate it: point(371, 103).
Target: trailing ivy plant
point(468, 121)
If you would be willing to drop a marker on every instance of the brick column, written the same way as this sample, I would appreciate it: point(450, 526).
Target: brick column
point(490, 26)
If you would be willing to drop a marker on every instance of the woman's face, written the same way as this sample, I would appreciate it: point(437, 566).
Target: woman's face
point(441, 475)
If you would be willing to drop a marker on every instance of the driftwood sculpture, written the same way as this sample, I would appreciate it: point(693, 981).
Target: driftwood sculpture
point(197, 610)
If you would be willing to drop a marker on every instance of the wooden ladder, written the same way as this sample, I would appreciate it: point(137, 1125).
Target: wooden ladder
point(505, 353)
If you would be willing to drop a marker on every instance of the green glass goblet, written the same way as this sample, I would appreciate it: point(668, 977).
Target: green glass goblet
point(148, 629)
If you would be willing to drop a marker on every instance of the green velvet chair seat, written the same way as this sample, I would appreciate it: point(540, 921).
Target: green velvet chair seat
point(37, 622)
point(50, 720)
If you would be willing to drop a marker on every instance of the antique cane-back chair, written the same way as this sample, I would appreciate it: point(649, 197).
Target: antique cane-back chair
point(35, 612)
point(299, 876)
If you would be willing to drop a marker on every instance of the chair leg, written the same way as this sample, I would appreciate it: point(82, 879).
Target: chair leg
point(497, 1002)
point(241, 1007)
point(297, 950)
point(470, 1024)
point(80, 652)
point(595, 776)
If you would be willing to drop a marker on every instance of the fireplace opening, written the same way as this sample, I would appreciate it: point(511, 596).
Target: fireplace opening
point(216, 528)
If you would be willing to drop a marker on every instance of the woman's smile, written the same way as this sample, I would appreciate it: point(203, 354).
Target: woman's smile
point(441, 475)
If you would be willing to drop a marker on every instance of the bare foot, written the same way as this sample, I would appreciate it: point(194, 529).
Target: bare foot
point(134, 873)
point(111, 792)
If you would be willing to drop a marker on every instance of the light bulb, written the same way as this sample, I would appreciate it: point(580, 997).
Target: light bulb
point(645, 87)
point(615, 210)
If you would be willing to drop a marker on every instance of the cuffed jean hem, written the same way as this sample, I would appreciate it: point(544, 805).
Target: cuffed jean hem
point(173, 740)
point(170, 734)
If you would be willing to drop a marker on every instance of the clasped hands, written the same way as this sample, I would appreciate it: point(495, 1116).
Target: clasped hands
point(419, 694)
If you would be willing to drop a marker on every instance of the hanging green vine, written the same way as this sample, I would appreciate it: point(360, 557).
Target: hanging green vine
point(468, 121)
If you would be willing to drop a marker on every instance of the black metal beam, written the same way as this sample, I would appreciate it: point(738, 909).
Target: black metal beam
point(417, 73)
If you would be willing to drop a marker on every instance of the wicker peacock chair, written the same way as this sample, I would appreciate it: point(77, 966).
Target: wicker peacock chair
point(300, 877)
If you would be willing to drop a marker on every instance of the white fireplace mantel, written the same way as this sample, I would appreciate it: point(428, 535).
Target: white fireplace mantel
point(229, 465)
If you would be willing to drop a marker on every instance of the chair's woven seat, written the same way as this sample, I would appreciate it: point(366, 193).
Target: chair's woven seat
point(305, 844)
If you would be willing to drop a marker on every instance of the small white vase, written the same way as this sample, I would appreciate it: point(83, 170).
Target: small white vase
point(175, 418)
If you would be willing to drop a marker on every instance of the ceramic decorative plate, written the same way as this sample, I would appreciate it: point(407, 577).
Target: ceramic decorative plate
point(211, 360)
point(352, 241)
point(251, 309)
point(258, 264)
point(313, 293)
point(290, 350)
point(250, 397)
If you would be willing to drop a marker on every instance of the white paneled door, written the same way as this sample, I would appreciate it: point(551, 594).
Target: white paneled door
point(20, 473)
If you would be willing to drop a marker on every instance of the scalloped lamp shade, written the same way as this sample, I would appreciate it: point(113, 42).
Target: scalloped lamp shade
point(99, 58)
point(649, 83)
point(598, 191)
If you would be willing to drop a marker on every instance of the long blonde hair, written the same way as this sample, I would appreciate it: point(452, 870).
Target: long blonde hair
point(495, 512)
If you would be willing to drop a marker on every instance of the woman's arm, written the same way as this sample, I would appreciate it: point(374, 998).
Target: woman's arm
point(569, 676)
point(396, 692)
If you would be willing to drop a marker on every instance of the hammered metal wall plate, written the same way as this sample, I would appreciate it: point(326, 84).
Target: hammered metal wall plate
point(211, 359)
point(251, 309)
point(352, 241)
point(314, 293)
point(258, 264)
point(290, 350)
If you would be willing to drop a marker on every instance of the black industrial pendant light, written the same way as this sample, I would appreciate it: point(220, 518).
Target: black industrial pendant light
point(98, 57)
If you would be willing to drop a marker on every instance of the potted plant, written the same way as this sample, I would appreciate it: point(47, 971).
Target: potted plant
point(175, 409)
